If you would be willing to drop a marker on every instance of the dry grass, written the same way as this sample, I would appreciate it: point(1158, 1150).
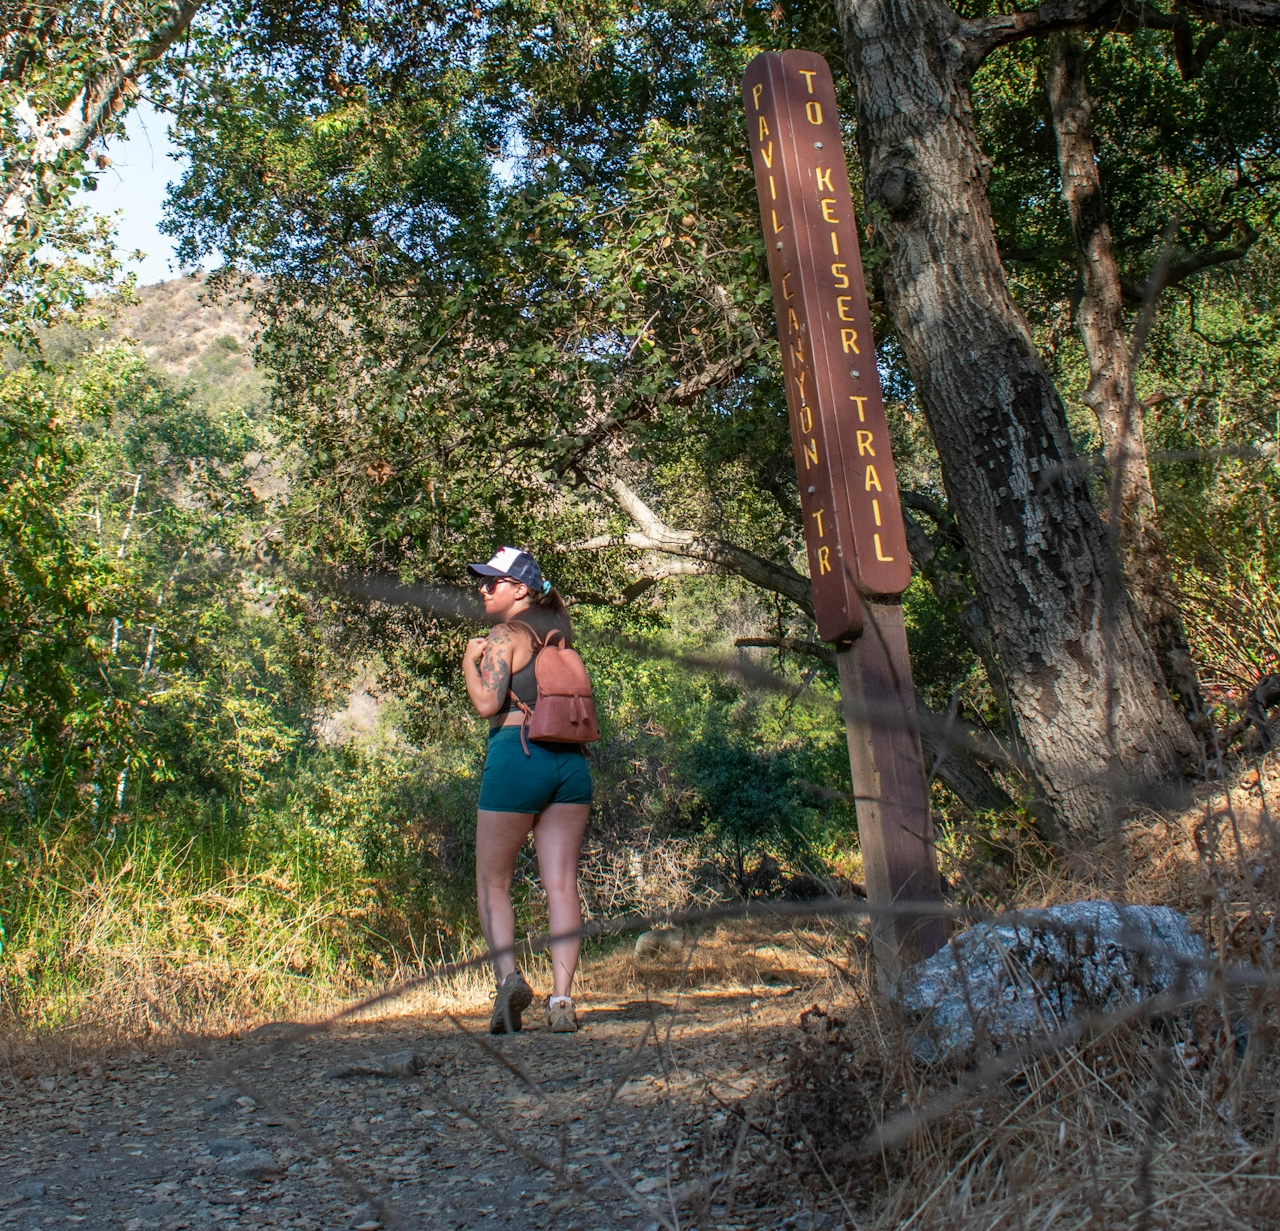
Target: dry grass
point(1089, 1137)
point(161, 942)
point(1164, 1124)
point(1167, 1124)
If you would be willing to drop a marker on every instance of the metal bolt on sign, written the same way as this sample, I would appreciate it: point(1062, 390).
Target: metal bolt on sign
point(857, 547)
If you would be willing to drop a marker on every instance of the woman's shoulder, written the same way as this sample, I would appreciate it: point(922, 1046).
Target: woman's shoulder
point(507, 633)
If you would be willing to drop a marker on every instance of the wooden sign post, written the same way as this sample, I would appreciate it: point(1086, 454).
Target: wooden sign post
point(858, 561)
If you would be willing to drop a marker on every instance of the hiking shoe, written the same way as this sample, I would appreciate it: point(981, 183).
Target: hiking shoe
point(561, 1019)
point(513, 996)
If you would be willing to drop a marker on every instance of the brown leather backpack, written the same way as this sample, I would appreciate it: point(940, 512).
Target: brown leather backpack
point(564, 712)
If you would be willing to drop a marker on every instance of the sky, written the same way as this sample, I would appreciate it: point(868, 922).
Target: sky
point(142, 165)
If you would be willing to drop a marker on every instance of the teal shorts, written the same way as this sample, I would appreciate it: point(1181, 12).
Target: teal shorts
point(550, 774)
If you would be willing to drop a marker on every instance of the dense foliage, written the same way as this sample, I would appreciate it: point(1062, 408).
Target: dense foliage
point(564, 286)
point(1200, 148)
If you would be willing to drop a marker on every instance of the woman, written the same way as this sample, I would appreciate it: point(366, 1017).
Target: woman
point(545, 788)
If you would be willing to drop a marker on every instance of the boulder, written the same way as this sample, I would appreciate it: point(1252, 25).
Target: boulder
point(659, 941)
point(1035, 972)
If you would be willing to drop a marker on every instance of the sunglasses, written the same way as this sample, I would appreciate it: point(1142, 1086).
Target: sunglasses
point(488, 587)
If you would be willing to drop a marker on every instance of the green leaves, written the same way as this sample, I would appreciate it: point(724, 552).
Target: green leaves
point(56, 596)
point(67, 75)
point(1204, 149)
point(134, 643)
point(496, 332)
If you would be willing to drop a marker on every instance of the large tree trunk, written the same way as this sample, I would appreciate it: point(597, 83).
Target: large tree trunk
point(1110, 393)
point(1086, 690)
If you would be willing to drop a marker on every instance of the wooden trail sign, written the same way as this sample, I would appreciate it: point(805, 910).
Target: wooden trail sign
point(848, 487)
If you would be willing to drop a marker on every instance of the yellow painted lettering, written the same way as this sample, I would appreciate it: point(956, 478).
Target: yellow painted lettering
point(814, 111)
point(766, 152)
point(824, 178)
point(842, 306)
point(793, 321)
point(797, 351)
point(773, 192)
point(756, 91)
point(808, 74)
point(817, 516)
point(806, 419)
point(787, 294)
point(781, 226)
point(880, 553)
point(875, 509)
point(861, 404)
point(800, 382)
point(866, 444)
point(835, 244)
point(811, 454)
point(842, 278)
point(849, 339)
point(764, 128)
point(871, 483)
point(827, 203)
point(824, 560)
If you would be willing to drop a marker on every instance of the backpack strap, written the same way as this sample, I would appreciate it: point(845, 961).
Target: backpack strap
point(524, 725)
point(538, 643)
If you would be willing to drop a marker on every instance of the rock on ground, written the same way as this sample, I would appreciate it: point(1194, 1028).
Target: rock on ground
point(1036, 971)
point(659, 940)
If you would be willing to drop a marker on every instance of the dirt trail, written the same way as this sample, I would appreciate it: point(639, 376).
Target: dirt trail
point(256, 1132)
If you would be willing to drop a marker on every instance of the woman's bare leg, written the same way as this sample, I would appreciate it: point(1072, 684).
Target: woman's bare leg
point(557, 833)
point(499, 837)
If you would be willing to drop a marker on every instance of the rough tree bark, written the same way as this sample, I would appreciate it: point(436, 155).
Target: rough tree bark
point(1086, 689)
point(1110, 393)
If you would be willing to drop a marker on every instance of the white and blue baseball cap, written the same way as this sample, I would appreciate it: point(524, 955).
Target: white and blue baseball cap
point(518, 565)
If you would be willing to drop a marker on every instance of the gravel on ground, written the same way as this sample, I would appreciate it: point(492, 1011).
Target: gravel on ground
point(410, 1121)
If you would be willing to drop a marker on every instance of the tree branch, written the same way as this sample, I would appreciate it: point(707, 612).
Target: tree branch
point(1192, 59)
point(948, 531)
point(797, 645)
point(1238, 12)
point(981, 37)
point(653, 534)
point(1179, 271)
point(72, 130)
point(643, 583)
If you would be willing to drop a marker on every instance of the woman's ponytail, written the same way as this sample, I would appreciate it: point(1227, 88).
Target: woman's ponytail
point(549, 600)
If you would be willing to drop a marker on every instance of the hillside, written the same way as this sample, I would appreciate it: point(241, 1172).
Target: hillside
point(200, 340)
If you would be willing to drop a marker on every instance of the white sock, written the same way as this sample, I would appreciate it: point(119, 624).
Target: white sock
point(560, 1002)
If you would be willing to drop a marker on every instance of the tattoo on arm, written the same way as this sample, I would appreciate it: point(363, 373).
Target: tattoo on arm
point(495, 670)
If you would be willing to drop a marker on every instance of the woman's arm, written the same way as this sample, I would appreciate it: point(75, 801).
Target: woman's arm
point(486, 667)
